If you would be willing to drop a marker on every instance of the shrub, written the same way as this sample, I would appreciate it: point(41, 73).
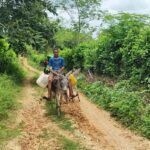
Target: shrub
point(34, 57)
point(8, 93)
point(9, 62)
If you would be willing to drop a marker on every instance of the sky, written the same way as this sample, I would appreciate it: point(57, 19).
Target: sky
point(131, 6)
point(113, 6)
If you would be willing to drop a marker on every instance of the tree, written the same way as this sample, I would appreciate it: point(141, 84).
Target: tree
point(25, 21)
point(81, 13)
point(68, 38)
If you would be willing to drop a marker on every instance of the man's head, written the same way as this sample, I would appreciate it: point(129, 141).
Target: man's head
point(56, 52)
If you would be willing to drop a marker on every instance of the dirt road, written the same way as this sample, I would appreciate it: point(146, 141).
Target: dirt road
point(95, 129)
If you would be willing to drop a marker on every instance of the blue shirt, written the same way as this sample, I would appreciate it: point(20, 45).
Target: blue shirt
point(56, 63)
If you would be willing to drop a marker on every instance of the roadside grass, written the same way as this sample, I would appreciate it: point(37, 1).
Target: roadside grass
point(9, 93)
point(60, 141)
point(34, 64)
point(6, 133)
point(68, 144)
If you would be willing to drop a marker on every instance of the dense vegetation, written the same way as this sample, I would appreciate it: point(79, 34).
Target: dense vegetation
point(9, 62)
point(11, 76)
point(122, 50)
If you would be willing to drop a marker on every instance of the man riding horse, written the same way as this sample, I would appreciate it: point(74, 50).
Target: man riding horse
point(56, 67)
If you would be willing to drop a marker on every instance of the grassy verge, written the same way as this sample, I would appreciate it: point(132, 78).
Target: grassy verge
point(7, 133)
point(61, 142)
point(34, 64)
point(123, 101)
point(68, 144)
point(9, 92)
point(35, 58)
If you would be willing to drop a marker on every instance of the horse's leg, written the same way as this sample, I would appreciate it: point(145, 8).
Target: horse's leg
point(66, 96)
point(61, 98)
point(58, 103)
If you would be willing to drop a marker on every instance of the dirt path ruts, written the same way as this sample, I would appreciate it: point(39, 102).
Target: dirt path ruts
point(119, 137)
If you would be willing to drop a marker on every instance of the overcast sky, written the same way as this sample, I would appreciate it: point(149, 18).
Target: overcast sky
point(114, 6)
point(131, 6)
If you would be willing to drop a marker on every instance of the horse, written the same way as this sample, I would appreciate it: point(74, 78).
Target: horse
point(59, 89)
point(60, 86)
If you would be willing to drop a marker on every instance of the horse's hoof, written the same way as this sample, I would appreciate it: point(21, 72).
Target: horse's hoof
point(47, 98)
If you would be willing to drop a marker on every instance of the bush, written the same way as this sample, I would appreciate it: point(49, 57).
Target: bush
point(67, 54)
point(9, 62)
point(34, 57)
point(136, 59)
point(73, 57)
point(122, 50)
point(8, 92)
point(80, 57)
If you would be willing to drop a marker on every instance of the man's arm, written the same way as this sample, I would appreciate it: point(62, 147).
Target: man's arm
point(61, 69)
point(51, 70)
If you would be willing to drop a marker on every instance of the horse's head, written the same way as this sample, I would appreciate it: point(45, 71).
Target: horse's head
point(64, 83)
point(63, 79)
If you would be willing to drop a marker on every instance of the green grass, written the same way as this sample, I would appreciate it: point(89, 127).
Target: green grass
point(46, 134)
point(7, 133)
point(63, 142)
point(35, 64)
point(9, 92)
point(68, 144)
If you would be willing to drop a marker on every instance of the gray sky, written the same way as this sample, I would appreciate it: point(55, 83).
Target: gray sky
point(113, 6)
point(131, 6)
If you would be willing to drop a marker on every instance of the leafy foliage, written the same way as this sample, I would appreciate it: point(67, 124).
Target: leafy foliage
point(81, 56)
point(34, 58)
point(9, 62)
point(81, 12)
point(8, 91)
point(27, 22)
point(66, 38)
point(121, 50)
